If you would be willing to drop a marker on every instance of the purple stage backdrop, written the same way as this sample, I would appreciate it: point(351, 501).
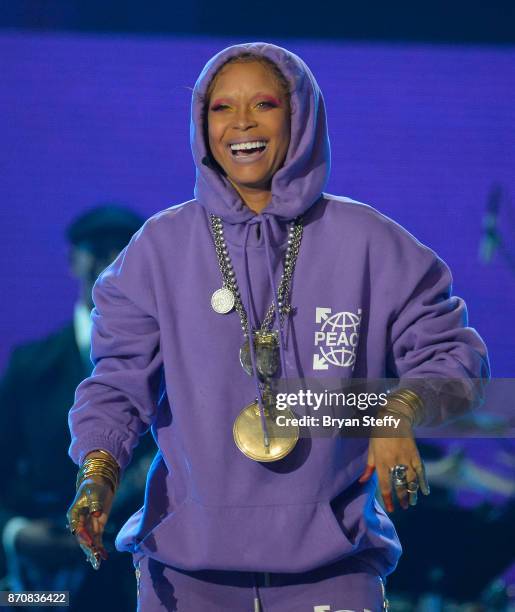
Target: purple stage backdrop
point(419, 132)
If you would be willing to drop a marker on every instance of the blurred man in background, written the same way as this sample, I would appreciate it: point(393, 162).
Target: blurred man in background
point(36, 392)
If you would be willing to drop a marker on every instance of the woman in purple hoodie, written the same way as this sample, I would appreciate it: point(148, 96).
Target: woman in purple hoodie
point(263, 277)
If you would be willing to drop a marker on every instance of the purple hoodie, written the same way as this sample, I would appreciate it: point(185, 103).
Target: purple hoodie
point(164, 359)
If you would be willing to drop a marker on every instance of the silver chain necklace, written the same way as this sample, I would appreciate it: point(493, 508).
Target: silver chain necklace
point(228, 297)
point(247, 429)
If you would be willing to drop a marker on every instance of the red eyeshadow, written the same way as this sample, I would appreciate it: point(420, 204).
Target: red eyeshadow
point(270, 99)
point(218, 101)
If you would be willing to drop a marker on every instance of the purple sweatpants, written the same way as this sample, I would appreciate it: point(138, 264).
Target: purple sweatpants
point(346, 586)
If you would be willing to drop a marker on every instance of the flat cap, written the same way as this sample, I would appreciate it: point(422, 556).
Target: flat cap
point(104, 228)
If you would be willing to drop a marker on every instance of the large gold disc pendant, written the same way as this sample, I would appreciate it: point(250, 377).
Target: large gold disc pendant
point(248, 433)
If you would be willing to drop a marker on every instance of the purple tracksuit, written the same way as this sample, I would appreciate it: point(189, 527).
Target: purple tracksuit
point(217, 529)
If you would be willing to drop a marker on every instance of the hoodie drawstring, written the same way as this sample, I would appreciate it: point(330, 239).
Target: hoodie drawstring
point(257, 604)
point(250, 326)
point(251, 323)
point(266, 235)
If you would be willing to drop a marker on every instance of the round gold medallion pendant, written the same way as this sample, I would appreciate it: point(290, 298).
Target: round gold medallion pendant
point(248, 433)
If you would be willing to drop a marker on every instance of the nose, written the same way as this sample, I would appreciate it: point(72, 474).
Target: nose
point(244, 119)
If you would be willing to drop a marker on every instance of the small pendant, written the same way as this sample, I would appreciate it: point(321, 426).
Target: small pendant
point(222, 300)
point(266, 348)
point(248, 433)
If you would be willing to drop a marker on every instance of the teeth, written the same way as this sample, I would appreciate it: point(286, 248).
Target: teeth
point(248, 145)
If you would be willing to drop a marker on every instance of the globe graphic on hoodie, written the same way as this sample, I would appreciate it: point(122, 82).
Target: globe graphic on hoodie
point(345, 325)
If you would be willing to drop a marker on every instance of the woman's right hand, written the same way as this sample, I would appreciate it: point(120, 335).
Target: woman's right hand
point(87, 516)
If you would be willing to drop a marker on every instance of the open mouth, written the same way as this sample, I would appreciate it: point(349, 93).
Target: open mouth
point(248, 149)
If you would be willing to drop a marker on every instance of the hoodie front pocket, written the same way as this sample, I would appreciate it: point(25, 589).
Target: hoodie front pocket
point(151, 544)
point(274, 538)
point(337, 528)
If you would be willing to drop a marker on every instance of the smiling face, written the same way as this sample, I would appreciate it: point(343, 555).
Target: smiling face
point(248, 126)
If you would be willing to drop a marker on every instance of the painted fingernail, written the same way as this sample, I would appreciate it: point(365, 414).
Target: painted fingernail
point(388, 501)
point(83, 533)
point(369, 470)
point(97, 513)
point(389, 506)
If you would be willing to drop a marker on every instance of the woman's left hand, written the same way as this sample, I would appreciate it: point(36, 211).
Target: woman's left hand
point(386, 452)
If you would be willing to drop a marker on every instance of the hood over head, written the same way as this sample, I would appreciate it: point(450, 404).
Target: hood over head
point(303, 176)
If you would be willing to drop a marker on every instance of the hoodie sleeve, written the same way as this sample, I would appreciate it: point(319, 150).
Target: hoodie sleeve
point(118, 402)
point(432, 350)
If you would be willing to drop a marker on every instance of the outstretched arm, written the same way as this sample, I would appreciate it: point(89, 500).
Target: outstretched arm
point(441, 361)
point(118, 402)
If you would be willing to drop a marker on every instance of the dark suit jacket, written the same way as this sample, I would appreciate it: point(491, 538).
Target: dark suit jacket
point(36, 394)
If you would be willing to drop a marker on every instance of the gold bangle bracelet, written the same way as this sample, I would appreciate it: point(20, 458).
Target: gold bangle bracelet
point(88, 465)
point(408, 395)
point(99, 466)
point(402, 414)
point(99, 463)
point(108, 455)
point(83, 474)
point(81, 477)
point(408, 398)
point(92, 467)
